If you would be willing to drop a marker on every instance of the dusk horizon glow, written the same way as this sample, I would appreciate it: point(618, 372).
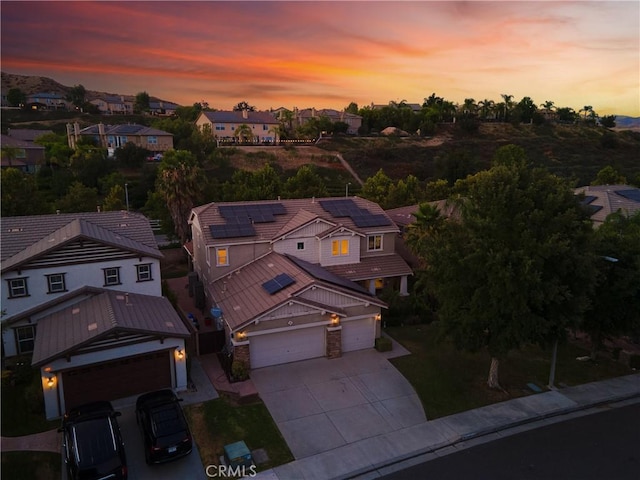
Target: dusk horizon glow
point(328, 54)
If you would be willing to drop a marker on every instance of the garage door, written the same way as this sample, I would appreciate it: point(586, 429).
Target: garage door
point(285, 347)
point(117, 379)
point(358, 334)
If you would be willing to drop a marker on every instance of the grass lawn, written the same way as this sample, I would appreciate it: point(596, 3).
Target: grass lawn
point(218, 422)
point(31, 465)
point(450, 381)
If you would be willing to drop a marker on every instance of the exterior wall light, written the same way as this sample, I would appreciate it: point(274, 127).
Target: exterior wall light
point(335, 320)
point(378, 317)
point(180, 353)
point(51, 381)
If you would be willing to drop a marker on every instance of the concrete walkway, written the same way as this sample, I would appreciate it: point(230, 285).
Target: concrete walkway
point(376, 456)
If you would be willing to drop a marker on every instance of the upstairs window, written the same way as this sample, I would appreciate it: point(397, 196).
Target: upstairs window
point(152, 140)
point(222, 256)
point(111, 276)
point(374, 242)
point(300, 246)
point(56, 283)
point(18, 287)
point(143, 272)
point(339, 248)
point(219, 126)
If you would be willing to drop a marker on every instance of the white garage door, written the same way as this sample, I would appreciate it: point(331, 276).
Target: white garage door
point(285, 347)
point(358, 334)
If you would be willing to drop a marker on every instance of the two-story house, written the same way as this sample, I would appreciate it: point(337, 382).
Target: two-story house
point(113, 104)
point(81, 296)
point(116, 136)
point(224, 125)
point(23, 155)
point(296, 279)
point(353, 121)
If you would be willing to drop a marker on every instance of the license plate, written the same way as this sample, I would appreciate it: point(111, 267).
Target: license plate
point(172, 449)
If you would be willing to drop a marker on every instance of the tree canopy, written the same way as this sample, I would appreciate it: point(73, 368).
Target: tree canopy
point(515, 266)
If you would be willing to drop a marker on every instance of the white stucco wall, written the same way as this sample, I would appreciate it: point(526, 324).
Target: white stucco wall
point(326, 258)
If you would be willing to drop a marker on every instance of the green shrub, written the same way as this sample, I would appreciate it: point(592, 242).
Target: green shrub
point(33, 396)
point(383, 344)
point(239, 370)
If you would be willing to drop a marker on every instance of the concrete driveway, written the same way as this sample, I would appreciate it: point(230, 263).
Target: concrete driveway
point(323, 404)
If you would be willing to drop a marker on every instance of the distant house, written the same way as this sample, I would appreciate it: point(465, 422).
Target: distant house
point(26, 156)
point(82, 300)
point(26, 134)
point(303, 116)
point(296, 278)
point(47, 101)
point(603, 200)
point(116, 136)
point(113, 105)
point(224, 124)
point(162, 108)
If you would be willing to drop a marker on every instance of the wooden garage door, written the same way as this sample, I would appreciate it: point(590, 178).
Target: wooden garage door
point(117, 379)
point(358, 334)
point(285, 347)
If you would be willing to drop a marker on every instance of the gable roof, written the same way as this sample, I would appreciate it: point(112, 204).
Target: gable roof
point(28, 237)
point(107, 313)
point(289, 217)
point(603, 200)
point(124, 130)
point(243, 298)
point(222, 116)
point(27, 135)
point(10, 141)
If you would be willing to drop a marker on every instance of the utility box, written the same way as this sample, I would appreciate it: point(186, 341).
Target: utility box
point(237, 455)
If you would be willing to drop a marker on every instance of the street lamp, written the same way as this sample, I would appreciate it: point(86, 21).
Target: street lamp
point(126, 195)
point(346, 189)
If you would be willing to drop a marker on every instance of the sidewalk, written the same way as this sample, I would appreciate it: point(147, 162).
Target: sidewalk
point(374, 457)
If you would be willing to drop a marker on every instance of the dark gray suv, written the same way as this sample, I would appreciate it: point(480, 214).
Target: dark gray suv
point(92, 443)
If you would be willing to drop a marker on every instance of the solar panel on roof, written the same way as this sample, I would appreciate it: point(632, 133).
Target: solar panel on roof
point(278, 283)
point(129, 128)
point(232, 230)
point(587, 200)
point(320, 273)
point(370, 220)
point(632, 194)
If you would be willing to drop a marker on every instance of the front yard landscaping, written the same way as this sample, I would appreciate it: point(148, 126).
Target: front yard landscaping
point(218, 422)
point(31, 465)
point(449, 381)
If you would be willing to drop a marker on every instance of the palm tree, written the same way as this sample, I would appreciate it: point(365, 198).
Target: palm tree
point(548, 106)
point(508, 105)
point(469, 106)
point(587, 109)
point(10, 153)
point(244, 133)
point(486, 107)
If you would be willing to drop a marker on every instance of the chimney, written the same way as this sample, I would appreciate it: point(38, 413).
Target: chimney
point(245, 113)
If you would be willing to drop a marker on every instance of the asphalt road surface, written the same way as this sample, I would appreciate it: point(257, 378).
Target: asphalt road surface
point(600, 446)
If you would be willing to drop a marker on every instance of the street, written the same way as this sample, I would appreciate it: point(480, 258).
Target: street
point(600, 446)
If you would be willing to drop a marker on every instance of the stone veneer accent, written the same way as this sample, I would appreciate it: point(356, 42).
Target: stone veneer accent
point(334, 342)
point(242, 353)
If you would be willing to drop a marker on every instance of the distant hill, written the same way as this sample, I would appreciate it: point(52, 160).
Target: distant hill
point(632, 123)
point(30, 84)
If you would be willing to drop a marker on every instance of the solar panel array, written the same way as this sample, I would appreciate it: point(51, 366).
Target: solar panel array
point(588, 199)
point(240, 219)
point(278, 283)
point(362, 217)
point(320, 273)
point(631, 194)
point(129, 129)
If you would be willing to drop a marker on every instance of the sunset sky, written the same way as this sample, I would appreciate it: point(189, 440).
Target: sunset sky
point(326, 54)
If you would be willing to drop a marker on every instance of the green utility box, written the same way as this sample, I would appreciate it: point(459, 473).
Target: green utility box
point(237, 455)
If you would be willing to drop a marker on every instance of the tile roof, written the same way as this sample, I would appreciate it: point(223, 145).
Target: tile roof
point(292, 218)
point(381, 266)
point(125, 229)
point(124, 129)
point(104, 314)
point(607, 199)
point(26, 134)
point(10, 141)
point(222, 116)
point(242, 297)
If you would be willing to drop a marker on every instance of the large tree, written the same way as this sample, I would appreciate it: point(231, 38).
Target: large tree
point(141, 103)
point(615, 306)
point(20, 195)
point(180, 183)
point(514, 265)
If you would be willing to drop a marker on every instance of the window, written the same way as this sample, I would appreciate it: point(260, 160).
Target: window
point(111, 276)
point(300, 246)
point(265, 127)
point(222, 256)
point(152, 140)
point(374, 242)
point(25, 337)
point(219, 126)
point(143, 272)
point(18, 287)
point(56, 283)
point(339, 247)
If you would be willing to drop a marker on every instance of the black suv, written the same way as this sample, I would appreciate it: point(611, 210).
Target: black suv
point(92, 444)
point(164, 429)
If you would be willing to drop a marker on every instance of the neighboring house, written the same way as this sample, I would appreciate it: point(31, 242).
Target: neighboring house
point(302, 117)
point(162, 108)
point(224, 125)
point(47, 101)
point(27, 135)
point(296, 279)
point(25, 156)
point(603, 200)
point(113, 104)
point(81, 294)
point(116, 136)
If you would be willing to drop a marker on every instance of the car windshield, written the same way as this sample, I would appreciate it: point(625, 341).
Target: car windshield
point(95, 441)
point(167, 420)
